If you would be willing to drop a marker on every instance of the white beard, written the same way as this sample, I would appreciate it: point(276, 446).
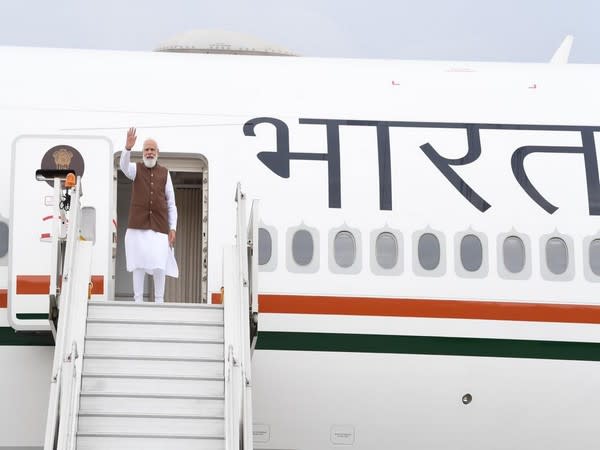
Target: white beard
point(149, 162)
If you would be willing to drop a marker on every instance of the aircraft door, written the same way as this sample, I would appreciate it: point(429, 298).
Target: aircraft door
point(189, 174)
point(32, 204)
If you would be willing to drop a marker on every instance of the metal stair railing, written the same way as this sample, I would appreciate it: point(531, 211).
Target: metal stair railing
point(237, 316)
point(69, 292)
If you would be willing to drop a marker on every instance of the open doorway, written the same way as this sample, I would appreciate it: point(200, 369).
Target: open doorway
point(189, 174)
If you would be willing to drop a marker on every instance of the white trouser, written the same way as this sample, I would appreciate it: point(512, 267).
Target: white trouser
point(159, 285)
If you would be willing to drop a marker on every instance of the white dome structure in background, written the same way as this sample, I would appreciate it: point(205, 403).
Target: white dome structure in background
point(223, 42)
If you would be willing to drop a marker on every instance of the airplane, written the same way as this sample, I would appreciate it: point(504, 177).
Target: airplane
point(428, 255)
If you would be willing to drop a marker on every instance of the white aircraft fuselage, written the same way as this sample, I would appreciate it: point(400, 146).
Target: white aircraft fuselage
point(430, 255)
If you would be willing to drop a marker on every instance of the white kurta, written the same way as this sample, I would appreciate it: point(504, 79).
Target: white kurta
point(148, 249)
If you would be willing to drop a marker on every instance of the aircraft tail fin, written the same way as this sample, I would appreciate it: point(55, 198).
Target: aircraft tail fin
point(561, 55)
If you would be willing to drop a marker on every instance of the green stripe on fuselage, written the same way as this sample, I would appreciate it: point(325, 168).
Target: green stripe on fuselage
point(8, 336)
point(32, 316)
point(428, 345)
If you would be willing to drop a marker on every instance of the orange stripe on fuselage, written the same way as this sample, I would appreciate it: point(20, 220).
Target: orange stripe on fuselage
point(98, 285)
point(33, 284)
point(40, 284)
point(442, 309)
point(3, 298)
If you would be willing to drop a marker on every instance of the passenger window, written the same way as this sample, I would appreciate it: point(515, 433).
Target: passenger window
point(557, 256)
point(595, 256)
point(429, 251)
point(344, 249)
point(265, 246)
point(513, 252)
point(302, 247)
point(3, 239)
point(471, 253)
point(386, 250)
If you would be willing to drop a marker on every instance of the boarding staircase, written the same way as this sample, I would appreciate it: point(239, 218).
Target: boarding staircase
point(149, 376)
point(153, 377)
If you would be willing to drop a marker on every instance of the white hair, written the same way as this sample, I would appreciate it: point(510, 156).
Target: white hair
point(153, 140)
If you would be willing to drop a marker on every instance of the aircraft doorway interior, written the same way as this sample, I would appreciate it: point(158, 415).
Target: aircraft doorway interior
point(191, 195)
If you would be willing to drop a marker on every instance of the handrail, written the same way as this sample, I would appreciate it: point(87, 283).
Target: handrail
point(63, 405)
point(56, 391)
point(231, 435)
point(232, 343)
point(245, 315)
point(237, 312)
point(250, 310)
point(73, 399)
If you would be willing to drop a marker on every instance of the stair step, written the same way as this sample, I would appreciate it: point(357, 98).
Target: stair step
point(158, 321)
point(174, 312)
point(132, 404)
point(131, 442)
point(154, 348)
point(150, 415)
point(131, 303)
point(152, 358)
point(153, 386)
point(152, 426)
point(132, 329)
point(208, 368)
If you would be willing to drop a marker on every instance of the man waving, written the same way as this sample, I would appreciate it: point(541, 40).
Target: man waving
point(150, 235)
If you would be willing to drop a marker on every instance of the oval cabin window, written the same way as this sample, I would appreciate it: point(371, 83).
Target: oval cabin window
point(265, 246)
point(557, 256)
point(302, 247)
point(513, 252)
point(3, 239)
point(344, 249)
point(386, 250)
point(471, 253)
point(429, 251)
point(595, 256)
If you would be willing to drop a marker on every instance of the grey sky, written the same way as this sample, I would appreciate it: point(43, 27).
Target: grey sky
point(507, 30)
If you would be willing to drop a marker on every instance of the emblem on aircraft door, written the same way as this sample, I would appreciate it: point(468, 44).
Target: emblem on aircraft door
point(63, 157)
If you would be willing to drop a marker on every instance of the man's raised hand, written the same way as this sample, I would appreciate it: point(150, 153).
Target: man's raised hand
point(131, 137)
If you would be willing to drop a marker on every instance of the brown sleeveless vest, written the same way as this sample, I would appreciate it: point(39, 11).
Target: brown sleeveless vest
point(148, 208)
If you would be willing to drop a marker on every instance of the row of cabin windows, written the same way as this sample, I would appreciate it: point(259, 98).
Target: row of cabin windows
point(429, 252)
